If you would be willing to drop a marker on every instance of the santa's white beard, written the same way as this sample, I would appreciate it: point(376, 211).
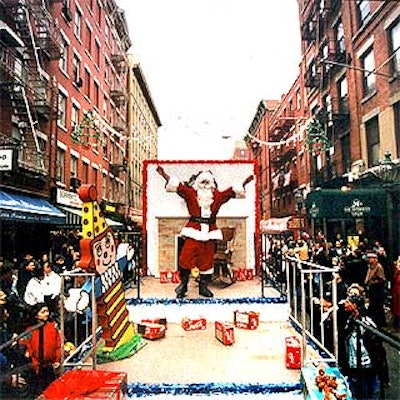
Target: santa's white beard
point(205, 197)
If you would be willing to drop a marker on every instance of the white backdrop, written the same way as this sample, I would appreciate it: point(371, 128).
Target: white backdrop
point(161, 204)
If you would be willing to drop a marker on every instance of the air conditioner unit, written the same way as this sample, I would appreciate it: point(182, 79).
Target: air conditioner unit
point(74, 183)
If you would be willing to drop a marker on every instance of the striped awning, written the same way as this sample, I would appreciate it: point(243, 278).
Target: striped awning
point(74, 219)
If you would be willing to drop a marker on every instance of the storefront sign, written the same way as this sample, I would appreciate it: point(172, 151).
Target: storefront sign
point(355, 203)
point(357, 209)
point(6, 156)
point(70, 199)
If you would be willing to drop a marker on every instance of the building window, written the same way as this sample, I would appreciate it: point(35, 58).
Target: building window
point(60, 173)
point(343, 96)
point(104, 145)
point(340, 46)
point(97, 52)
point(368, 66)
point(94, 180)
point(87, 83)
point(74, 116)
point(85, 172)
point(76, 70)
point(63, 63)
point(62, 109)
point(364, 11)
point(78, 23)
point(396, 111)
point(298, 99)
point(96, 94)
point(394, 43)
point(346, 153)
point(105, 107)
point(88, 39)
point(373, 143)
point(106, 70)
point(74, 166)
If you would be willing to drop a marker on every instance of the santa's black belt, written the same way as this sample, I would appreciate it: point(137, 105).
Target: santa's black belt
point(201, 220)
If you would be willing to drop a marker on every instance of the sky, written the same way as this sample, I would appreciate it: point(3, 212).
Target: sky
point(209, 63)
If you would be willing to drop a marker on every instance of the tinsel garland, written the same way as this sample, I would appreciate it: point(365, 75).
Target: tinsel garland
point(242, 300)
point(144, 390)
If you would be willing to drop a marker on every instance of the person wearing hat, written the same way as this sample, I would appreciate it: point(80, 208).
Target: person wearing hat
point(375, 285)
point(367, 367)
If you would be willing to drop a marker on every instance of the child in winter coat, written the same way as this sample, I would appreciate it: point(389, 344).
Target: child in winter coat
point(43, 347)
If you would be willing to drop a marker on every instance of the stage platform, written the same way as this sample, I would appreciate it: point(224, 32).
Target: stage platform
point(192, 363)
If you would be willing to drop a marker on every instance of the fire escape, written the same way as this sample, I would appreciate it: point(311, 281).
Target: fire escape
point(26, 87)
point(283, 156)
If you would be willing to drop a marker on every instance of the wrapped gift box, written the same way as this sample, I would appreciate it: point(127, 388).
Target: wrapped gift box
point(249, 274)
point(224, 332)
point(151, 331)
point(161, 321)
point(87, 384)
point(176, 277)
point(193, 324)
point(164, 276)
point(246, 319)
point(293, 352)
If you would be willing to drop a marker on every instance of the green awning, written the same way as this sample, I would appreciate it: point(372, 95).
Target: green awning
point(355, 203)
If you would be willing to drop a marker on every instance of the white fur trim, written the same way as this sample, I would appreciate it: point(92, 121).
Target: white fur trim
point(239, 191)
point(172, 184)
point(203, 235)
point(208, 271)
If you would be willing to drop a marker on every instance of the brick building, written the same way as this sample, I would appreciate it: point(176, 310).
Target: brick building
point(347, 126)
point(63, 115)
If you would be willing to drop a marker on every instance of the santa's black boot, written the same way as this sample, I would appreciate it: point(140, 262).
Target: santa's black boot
point(203, 289)
point(183, 286)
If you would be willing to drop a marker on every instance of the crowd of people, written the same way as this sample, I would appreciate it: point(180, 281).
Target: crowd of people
point(29, 309)
point(368, 285)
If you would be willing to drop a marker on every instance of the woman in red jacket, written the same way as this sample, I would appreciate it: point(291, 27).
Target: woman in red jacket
point(43, 347)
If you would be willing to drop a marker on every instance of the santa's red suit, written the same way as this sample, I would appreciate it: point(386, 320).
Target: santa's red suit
point(201, 229)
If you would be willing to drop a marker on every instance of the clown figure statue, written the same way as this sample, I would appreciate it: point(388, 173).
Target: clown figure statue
point(99, 255)
point(203, 201)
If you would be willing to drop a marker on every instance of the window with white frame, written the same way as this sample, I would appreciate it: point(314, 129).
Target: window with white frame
point(60, 168)
point(74, 166)
point(74, 116)
point(78, 23)
point(363, 10)
point(394, 44)
point(105, 107)
point(85, 172)
point(63, 62)
point(368, 66)
point(343, 95)
point(373, 140)
point(62, 109)
point(340, 45)
point(88, 39)
point(76, 69)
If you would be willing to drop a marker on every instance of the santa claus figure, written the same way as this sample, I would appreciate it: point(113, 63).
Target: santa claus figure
point(203, 201)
